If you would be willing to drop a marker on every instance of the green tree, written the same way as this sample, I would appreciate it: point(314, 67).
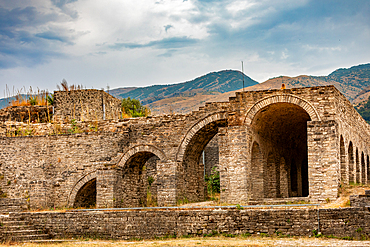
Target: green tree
point(134, 108)
point(213, 181)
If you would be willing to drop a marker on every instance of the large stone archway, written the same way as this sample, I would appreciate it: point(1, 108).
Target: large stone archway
point(137, 179)
point(280, 129)
point(190, 170)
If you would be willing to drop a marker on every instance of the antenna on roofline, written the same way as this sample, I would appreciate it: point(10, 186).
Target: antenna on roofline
point(243, 75)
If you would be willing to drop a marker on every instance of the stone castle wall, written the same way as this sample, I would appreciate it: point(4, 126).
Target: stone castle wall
point(86, 105)
point(253, 162)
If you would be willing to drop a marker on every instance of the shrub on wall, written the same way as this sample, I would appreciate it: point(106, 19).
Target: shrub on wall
point(134, 108)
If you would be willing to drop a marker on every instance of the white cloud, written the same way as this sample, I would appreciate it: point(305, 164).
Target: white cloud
point(137, 43)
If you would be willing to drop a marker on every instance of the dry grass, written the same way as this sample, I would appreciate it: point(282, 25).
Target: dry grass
point(344, 194)
point(208, 241)
point(23, 97)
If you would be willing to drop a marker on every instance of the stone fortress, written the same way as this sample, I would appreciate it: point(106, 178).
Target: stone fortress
point(289, 144)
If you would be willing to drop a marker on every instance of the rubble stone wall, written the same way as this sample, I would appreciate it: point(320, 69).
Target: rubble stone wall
point(345, 222)
point(85, 105)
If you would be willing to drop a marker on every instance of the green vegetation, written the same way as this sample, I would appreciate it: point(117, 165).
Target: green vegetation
point(150, 200)
point(213, 182)
point(50, 99)
point(134, 108)
point(364, 110)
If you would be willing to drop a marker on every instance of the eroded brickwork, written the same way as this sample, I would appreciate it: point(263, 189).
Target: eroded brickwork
point(85, 105)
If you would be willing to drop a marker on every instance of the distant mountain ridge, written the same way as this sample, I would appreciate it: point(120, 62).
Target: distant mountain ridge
point(350, 81)
point(214, 82)
point(353, 82)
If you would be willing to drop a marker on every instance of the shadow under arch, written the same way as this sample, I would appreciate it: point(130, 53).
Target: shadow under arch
point(136, 183)
point(190, 171)
point(85, 183)
point(280, 130)
point(145, 148)
point(285, 98)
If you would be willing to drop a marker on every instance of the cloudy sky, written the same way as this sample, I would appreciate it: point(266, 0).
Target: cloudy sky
point(137, 43)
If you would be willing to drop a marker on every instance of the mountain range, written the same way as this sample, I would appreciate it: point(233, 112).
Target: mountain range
point(353, 82)
point(187, 96)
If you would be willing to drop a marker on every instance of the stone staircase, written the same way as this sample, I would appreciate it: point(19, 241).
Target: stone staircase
point(12, 205)
point(14, 228)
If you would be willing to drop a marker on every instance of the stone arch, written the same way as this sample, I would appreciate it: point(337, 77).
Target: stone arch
point(78, 186)
point(368, 169)
point(141, 148)
point(190, 169)
point(357, 169)
point(194, 130)
point(351, 163)
point(285, 98)
point(363, 169)
point(281, 129)
point(343, 164)
point(136, 183)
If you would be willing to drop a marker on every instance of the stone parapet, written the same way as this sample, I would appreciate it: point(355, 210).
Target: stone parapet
point(344, 222)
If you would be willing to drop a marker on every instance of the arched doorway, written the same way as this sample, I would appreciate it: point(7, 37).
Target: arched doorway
point(191, 184)
point(343, 166)
point(351, 163)
point(280, 129)
point(137, 177)
point(363, 169)
point(357, 169)
point(368, 169)
point(86, 195)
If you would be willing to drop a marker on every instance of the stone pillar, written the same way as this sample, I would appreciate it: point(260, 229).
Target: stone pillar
point(166, 183)
point(105, 180)
point(234, 157)
point(284, 184)
point(323, 160)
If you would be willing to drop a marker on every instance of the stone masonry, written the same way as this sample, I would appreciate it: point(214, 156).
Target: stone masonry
point(346, 222)
point(299, 143)
point(85, 105)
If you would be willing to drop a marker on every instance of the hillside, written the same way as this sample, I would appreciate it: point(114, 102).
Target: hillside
point(351, 82)
point(212, 83)
point(362, 96)
point(116, 92)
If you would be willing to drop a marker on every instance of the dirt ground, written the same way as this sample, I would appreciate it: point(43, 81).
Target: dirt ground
point(213, 241)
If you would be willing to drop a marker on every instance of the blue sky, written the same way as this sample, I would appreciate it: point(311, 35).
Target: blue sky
point(124, 43)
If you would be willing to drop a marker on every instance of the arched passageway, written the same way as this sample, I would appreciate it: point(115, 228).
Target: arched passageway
point(279, 131)
point(137, 181)
point(368, 169)
point(363, 169)
point(343, 164)
point(351, 163)
point(357, 168)
point(191, 172)
point(86, 196)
